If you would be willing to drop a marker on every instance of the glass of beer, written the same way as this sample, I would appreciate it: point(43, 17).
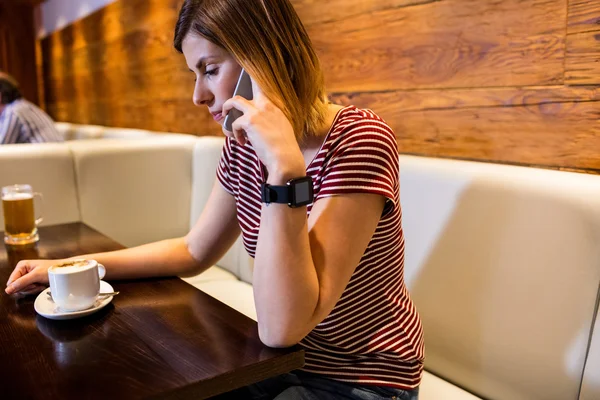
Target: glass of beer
point(20, 223)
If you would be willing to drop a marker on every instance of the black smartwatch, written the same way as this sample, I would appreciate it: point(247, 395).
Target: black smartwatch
point(296, 192)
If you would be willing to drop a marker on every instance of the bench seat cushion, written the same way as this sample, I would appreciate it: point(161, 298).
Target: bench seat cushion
point(235, 293)
point(502, 264)
point(214, 273)
point(434, 388)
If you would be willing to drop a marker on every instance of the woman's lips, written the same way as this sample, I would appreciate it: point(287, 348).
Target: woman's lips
point(217, 116)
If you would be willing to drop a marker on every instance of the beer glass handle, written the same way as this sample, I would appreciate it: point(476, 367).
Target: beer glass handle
point(41, 218)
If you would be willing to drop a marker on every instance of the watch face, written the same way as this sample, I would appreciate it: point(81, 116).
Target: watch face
point(302, 192)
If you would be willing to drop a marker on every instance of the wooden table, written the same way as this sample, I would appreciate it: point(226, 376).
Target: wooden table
point(159, 338)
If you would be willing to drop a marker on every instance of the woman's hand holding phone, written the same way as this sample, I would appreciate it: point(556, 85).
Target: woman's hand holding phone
point(264, 125)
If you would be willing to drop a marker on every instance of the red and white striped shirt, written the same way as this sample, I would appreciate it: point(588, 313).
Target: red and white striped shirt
point(373, 336)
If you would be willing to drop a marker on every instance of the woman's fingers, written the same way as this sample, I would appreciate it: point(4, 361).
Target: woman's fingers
point(238, 132)
point(21, 269)
point(240, 138)
point(239, 103)
point(32, 289)
point(21, 282)
point(29, 287)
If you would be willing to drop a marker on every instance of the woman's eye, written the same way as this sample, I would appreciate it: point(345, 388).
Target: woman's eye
point(211, 71)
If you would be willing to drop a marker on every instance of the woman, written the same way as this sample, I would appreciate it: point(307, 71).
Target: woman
point(328, 275)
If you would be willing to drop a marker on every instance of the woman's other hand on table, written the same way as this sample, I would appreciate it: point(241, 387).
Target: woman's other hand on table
point(29, 277)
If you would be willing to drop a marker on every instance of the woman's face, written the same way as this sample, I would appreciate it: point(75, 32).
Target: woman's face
point(216, 72)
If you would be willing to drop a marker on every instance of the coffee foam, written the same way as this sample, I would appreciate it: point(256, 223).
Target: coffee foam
point(69, 267)
point(17, 196)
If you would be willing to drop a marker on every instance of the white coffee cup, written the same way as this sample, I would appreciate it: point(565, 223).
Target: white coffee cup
point(75, 284)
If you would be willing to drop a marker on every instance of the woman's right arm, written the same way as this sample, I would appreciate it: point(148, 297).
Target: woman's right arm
point(210, 238)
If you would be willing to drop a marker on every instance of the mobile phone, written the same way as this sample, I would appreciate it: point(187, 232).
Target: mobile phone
point(244, 89)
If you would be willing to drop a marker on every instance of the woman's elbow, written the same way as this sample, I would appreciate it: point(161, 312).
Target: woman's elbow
point(276, 338)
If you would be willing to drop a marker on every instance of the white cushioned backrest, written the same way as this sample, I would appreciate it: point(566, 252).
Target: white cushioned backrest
point(590, 389)
point(503, 264)
point(65, 129)
point(125, 133)
point(206, 159)
point(85, 132)
point(48, 168)
point(135, 191)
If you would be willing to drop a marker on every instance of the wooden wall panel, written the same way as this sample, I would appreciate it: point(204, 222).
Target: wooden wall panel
point(107, 44)
point(557, 127)
point(3, 48)
point(460, 43)
point(166, 74)
point(583, 58)
point(17, 46)
point(118, 67)
point(582, 66)
point(114, 21)
point(153, 114)
point(514, 81)
point(584, 16)
point(449, 99)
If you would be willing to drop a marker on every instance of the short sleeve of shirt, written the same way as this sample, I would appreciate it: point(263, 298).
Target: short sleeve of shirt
point(224, 168)
point(362, 159)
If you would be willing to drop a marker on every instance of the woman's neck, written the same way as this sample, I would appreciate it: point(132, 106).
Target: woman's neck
point(312, 143)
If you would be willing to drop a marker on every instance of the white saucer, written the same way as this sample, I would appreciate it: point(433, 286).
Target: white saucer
point(46, 308)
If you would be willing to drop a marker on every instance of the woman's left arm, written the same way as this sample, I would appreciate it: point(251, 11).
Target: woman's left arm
point(302, 265)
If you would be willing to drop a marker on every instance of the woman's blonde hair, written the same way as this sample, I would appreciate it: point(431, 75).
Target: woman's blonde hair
point(268, 40)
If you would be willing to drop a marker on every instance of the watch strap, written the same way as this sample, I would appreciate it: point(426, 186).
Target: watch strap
point(275, 194)
point(296, 192)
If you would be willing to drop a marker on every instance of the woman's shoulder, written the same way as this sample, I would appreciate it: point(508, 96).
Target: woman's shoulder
point(352, 113)
point(353, 122)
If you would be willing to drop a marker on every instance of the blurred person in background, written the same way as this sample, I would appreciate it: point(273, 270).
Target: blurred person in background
point(20, 120)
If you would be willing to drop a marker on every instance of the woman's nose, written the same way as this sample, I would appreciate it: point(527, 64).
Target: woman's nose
point(201, 96)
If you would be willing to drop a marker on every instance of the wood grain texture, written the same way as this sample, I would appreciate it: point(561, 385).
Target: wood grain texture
point(114, 21)
point(17, 46)
point(118, 67)
point(450, 43)
point(582, 66)
point(3, 47)
point(553, 127)
point(178, 115)
point(369, 45)
point(449, 99)
point(160, 338)
point(584, 16)
point(317, 11)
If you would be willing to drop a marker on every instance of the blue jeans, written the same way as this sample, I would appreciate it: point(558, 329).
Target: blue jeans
point(301, 385)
